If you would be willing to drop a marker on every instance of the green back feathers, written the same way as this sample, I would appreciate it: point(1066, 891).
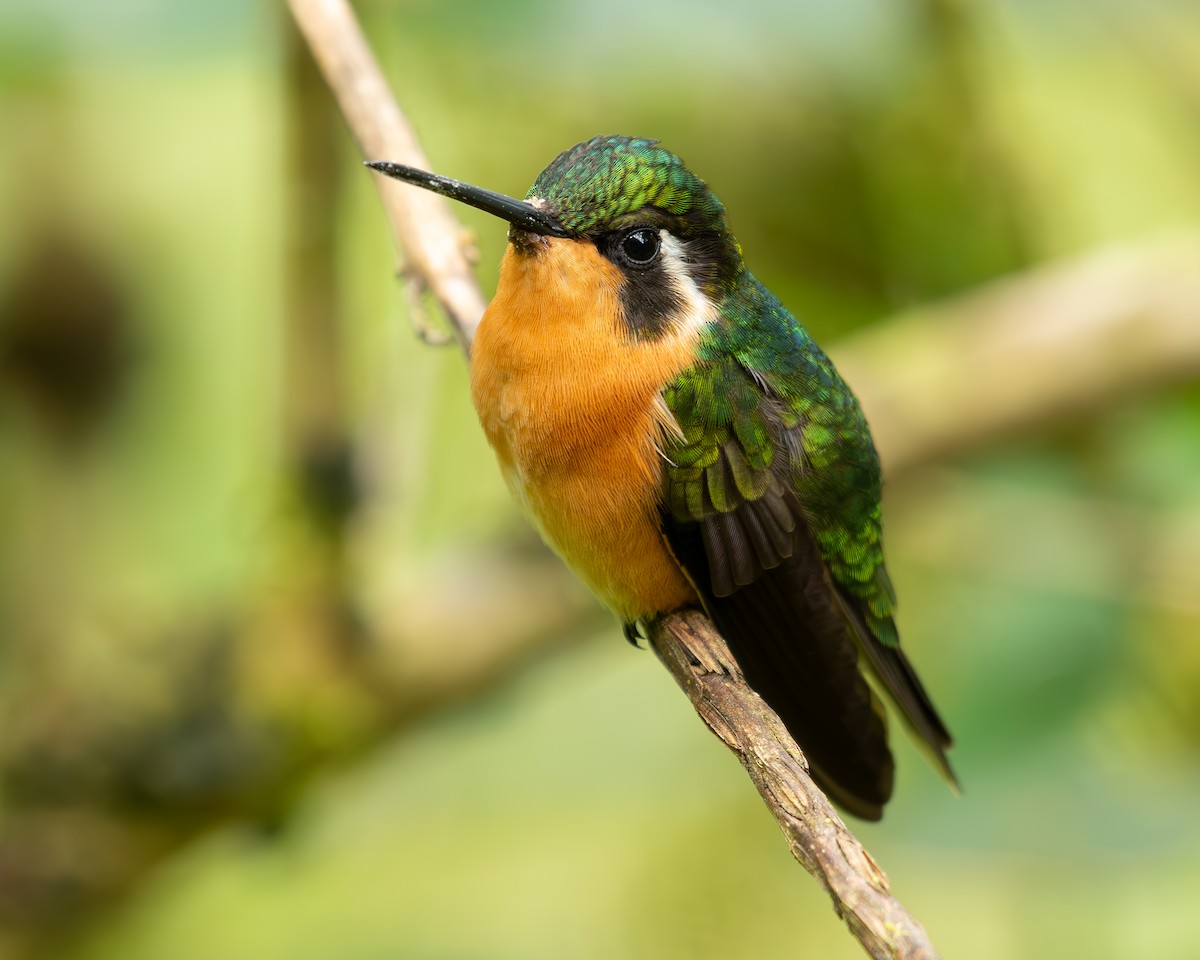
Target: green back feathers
point(805, 428)
point(603, 183)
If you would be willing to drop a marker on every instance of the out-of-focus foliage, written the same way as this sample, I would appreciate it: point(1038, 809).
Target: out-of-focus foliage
point(173, 496)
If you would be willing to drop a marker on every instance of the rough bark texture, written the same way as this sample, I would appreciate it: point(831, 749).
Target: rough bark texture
point(698, 659)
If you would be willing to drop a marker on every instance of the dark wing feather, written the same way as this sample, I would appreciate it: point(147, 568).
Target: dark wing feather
point(798, 639)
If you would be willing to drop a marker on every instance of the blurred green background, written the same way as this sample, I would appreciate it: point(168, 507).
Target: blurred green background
point(282, 672)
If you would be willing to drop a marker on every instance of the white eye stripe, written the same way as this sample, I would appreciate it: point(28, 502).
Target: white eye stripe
point(697, 309)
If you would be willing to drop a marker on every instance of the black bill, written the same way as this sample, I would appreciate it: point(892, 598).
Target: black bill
point(518, 212)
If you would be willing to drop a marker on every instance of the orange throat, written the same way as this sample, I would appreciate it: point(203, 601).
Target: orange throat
point(572, 406)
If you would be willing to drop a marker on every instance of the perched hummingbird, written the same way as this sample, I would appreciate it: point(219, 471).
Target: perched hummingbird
point(680, 441)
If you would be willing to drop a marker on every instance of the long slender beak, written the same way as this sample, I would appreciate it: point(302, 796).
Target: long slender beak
point(517, 212)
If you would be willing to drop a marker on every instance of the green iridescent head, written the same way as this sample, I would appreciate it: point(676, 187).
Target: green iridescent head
point(606, 183)
point(640, 206)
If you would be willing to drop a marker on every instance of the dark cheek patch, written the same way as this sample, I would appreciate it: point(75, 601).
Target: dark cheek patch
point(650, 301)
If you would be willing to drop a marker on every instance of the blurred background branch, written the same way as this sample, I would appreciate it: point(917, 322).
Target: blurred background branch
point(1023, 354)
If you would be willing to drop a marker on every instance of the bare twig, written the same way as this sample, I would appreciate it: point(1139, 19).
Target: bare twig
point(421, 221)
point(698, 659)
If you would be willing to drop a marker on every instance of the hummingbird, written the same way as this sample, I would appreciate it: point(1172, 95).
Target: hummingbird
point(679, 439)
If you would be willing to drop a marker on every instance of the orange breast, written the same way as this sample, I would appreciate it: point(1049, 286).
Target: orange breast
point(573, 411)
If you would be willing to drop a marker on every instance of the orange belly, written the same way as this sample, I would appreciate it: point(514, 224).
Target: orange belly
point(573, 410)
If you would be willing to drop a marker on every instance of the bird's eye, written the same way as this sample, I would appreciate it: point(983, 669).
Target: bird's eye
point(639, 247)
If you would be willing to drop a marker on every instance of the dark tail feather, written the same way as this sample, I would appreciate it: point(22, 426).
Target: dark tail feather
point(799, 642)
point(891, 668)
point(796, 653)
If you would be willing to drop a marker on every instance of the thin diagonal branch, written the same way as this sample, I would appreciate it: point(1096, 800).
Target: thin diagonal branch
point(687, 644)
point(697, 657)
point(421, 222)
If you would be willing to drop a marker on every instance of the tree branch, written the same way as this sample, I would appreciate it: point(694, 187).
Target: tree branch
point(421, 222)
point(697, 657)
point(686, 643)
